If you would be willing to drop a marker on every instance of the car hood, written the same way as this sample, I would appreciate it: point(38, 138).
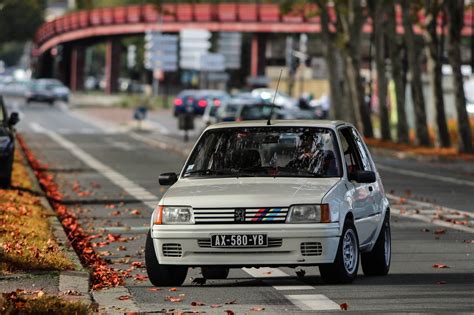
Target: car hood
point(247, 192)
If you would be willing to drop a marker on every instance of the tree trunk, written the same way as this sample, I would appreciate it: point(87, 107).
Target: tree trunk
point(378, 18)
point(332, 56)
point(396, 57)
point(416, 83)
point(350, 22)
point(455, 12)
point(434, 70)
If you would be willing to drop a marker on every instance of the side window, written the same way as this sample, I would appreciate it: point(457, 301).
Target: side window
point(365, 159)
point(351, 153)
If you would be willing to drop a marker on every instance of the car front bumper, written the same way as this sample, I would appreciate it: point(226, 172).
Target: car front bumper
point(290, 244)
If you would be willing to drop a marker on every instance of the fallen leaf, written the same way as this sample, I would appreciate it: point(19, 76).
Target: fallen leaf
point(140, 277)
point(440, 231)
point(121, 248)
point(197, 303)
point(124, 297)
point(154, 289)
point(174, 299)
point(267, 273)
point(40, 293)
point(469, 241)
point(173, 289)
point(135, 212)
point(344, 306)
point(257, 309)
point(231, 302)
point(440, 266)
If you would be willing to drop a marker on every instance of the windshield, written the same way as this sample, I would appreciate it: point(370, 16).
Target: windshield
point(265, 152)
point(256, 112)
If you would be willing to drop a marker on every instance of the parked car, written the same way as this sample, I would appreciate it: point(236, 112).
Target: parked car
point(7, 144)
point(197, 100)
point(47, 90)
point(292, 193)
point(281, 99)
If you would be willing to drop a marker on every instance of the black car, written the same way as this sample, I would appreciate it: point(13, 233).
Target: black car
point(7, 144)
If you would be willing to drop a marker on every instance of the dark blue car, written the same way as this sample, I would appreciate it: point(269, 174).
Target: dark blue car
point(196, 101)
point(7, 144)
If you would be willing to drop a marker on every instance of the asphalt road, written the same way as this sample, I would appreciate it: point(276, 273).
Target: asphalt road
point(110, 180)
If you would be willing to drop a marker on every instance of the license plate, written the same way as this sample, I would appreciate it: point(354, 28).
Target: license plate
point(239, 240)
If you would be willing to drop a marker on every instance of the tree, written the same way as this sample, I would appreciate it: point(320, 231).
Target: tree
point(20, 19)
point(350, 19)
point(332, 55)
point(455, 12)
point(414, 61)
point(435, 54)
point(395, 45)
point(377, 12)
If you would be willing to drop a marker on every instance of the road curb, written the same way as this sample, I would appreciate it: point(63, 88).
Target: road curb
point(74, 280)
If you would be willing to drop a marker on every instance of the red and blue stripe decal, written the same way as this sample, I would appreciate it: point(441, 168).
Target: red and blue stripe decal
point(266, 214)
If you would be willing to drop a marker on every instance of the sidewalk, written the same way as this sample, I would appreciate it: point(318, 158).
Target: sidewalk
point(38, 268)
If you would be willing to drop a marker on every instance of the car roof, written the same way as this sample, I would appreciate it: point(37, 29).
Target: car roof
point(281, 123)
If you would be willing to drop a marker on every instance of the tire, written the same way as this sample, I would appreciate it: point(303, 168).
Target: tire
point(214, 273)
point(6, 177)
point(339, 271)
point(377, 261)
point(162, 275)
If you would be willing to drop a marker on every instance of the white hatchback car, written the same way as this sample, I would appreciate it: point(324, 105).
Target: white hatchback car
point(293, 193)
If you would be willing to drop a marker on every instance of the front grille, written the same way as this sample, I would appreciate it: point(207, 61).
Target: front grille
point(272, 242)
point(172, 250)
point(311, 249)
point(228, 216)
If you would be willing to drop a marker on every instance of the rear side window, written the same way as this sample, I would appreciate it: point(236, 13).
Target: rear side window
point(364, 155)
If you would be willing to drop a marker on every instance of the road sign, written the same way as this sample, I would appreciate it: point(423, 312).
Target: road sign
point(193, 44)
point(230, 45)
point(161, 52)
point(212, 62)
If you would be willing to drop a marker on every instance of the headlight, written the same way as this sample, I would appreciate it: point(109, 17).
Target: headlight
point(309, 214)
point(174, 215)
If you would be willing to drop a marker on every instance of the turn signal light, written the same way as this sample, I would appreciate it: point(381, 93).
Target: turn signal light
point(325, 213)
point(159, 215)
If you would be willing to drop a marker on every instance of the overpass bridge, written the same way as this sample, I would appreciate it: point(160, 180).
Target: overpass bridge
point(77, 30)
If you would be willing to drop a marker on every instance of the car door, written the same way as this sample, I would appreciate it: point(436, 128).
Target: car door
point(361, 195)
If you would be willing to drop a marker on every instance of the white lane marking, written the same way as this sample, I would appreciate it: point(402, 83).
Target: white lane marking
point(292, 287)
point(265, 272)
point(419, 212)
point(312, 302)
point(156, 125)
point(118, 179)
point(423, 175)
point(306, 302)
point(36, 128)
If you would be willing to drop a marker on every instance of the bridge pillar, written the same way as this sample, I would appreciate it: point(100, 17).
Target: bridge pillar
point(45, 65)
point(112, 66)
point(77, 68)
point(257, 54)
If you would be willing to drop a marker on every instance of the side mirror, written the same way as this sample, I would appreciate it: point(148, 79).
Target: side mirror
point(365, 177)
point(168, 179)
point(14, 119)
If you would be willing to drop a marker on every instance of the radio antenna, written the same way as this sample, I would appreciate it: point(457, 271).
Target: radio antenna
point(274, 97)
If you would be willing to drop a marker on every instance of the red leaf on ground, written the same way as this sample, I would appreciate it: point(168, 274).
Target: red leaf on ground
point(124, 297)
point(135, 212)
point(344, 306)
point(121, 248)
point(197, 303)
point(110, 206)
point(257, 309)
point(174, 299)
point(173, 289)
point(113, 237)
point(440, 231)
point(154, 289)
point(440, 282)
point(137, 264)
point(440, 266)
point(140, 277)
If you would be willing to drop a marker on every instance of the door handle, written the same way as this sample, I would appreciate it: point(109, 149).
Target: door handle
point(371, 188)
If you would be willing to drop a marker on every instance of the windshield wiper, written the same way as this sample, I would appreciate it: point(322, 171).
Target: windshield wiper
point(209, 172)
